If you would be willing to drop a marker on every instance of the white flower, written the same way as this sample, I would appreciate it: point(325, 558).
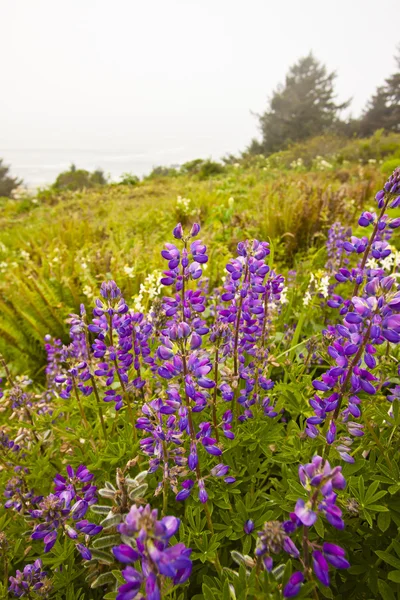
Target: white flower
point(183, 204)
point(87, 290)
point(387, 262)
point(284, 298)
point(307, 298)
point(129, 271)
point(372, 263)
point(151, 287)
point(323, 287)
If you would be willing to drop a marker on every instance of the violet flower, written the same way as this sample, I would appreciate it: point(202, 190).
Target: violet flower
point(146, 540)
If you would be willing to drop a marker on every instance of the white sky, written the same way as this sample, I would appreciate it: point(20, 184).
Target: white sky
point(166, 74)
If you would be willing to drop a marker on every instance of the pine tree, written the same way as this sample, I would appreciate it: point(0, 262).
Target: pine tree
point(383, 110)
point(7, 184)
point(303, 107)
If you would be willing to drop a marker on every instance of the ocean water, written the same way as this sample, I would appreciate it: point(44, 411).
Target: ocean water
point(39, 167)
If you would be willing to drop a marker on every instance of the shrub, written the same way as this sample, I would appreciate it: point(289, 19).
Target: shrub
point(210, 168)
point(8, 184)
point(78, 179)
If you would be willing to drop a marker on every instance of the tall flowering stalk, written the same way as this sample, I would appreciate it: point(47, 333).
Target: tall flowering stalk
point(370, 319)
point(251, 289)
point(182, 357)
point(320, 482)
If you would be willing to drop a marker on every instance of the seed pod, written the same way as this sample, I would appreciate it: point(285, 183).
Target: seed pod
point(107, 493)
point(111, 520)
point(107, 541)
point(103, 557)
point(141, 477)
point(103, 579)
point(109, 485)
point(98, 509)
point(139, 491)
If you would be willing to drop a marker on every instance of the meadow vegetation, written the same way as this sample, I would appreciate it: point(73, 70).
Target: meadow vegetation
point(246, 386)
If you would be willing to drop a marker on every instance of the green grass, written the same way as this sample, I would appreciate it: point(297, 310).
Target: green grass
point(57, 248)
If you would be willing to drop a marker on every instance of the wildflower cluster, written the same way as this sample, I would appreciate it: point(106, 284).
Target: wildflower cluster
point(147, 540)
point(64, 510)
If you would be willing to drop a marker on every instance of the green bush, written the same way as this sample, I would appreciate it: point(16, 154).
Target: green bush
point(79, 179)
point(129, 179)
point(210, 168)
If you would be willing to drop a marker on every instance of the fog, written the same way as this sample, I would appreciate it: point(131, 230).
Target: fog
point(172, 79)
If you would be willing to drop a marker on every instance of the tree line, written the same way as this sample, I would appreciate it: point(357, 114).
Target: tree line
point(304, 106)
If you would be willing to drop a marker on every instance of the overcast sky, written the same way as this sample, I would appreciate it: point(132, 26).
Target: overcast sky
point(174, 74)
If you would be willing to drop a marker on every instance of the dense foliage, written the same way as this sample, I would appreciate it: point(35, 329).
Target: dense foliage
point(227, 433)
point(78, 179)
point(8, 184)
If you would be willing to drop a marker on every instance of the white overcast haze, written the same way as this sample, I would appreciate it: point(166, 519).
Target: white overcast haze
point(172, 79)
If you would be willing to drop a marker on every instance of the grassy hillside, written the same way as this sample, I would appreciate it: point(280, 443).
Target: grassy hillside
point(56, 248)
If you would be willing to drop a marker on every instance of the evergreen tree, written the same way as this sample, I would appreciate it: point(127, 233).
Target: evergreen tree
point(383, 110)
point(303, 107)
point(7, 184)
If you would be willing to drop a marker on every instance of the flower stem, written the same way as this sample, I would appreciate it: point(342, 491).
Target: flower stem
point(93, 380)
point(80, 405)
point(214, 402)
point(235, 408)
point(101, 416)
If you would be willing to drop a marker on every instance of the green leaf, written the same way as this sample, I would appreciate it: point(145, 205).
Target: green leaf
point(385, 590)
point(384, 521)
point(371, 491)
point(247, 544)
point(388, 558)
point(394, 576)
point(226, 594)
point(207, 592)
point(319, 528)
point(107, 541)
point(378, 508)
point(103, 579)
point(361, 488)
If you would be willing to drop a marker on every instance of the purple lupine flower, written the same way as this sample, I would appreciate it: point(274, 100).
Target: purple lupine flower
point(319, 480)
point(321, 567)
point(30, 581)
point(18, 496)
point(248, 526)
point(62, 512)
point(372, 320)
point(149, 544)
point(293, 586)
